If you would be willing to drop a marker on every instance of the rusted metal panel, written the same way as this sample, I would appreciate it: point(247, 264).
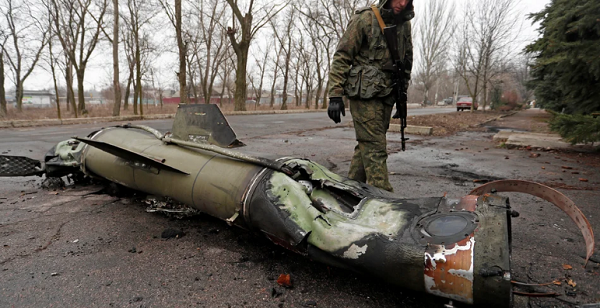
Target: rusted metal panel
point(449, 270)
point(549, 194)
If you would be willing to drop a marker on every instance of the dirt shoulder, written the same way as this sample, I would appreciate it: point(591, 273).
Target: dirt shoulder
point(451, 123)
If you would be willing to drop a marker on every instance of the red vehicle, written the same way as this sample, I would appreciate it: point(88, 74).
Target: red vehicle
point(464, 103)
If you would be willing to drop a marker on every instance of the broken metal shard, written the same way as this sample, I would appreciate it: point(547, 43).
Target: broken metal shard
point(457, 249)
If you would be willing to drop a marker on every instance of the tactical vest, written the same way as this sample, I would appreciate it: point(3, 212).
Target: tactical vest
point(371, 74)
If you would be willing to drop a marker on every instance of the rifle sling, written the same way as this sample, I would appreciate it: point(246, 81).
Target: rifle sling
point(378, 15)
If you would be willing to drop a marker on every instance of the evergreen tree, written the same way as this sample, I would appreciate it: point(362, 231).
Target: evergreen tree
point(566, 71)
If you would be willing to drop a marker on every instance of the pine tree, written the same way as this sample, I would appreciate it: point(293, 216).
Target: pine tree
point(566, 71)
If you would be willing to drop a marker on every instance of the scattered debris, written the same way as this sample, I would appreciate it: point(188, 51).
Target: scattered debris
point(132, 250)
point(214, 231)
point(567, 266)
point(137, 299)
point(75, 241)
point(571, 282)
point(52, 183)
point(309, 303)
point(169, 207)
point(172, 233)
point(275, 293)
point(54, 274)
point(583, 180)
point(566, 167)
point(285, 280)
point(534, 155)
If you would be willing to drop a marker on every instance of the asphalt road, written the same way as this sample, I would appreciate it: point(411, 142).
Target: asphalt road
point(79, 247)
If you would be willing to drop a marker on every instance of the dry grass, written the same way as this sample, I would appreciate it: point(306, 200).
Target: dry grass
point(450, 123)
point(105, 110)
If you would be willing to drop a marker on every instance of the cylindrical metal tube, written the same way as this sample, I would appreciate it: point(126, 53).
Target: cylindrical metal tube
point(215, 185)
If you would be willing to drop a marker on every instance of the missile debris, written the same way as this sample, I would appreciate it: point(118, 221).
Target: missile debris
point(454, 248)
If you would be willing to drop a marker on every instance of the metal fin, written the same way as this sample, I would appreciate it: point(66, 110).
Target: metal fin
point(19, 166)
point(130, 155)
point(204, 123)
point(549, 194)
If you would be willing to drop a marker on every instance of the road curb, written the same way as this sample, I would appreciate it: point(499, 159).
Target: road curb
point(412, 129)
point(71, 121)
point(498, 118)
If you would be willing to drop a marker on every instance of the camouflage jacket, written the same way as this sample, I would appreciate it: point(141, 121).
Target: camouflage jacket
point(357, 69)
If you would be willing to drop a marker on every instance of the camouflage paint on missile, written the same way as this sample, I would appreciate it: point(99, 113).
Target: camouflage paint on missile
point(457, 249)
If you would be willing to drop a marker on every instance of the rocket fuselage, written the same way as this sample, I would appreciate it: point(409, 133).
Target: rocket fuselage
point(457, 249)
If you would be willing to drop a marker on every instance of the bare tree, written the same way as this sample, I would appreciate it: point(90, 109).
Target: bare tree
point(257, 85)
point(52, 61)
point(326, 22)
point(435, 26)
point(489, 30)
point(241, 43)
point(28, 38)
point(285, 39)
point(129, 55)
point(275, 73)
point(78, 24)
point(319, 44)
point(174, 15)
point(3, 110)
point(140, 15)
point(115, 50)
point(213, 40)
point(159, 88)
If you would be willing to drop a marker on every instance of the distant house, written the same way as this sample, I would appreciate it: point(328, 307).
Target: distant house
point(37, 99)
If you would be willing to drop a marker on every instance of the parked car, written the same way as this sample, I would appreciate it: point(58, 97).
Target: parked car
point(464, 103)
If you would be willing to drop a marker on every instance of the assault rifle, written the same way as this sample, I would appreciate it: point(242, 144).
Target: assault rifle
point(391, 37)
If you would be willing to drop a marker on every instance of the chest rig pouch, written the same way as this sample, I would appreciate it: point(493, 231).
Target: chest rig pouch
point(369, 80)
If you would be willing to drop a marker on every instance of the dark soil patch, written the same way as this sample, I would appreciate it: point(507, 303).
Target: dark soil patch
point(451, 123)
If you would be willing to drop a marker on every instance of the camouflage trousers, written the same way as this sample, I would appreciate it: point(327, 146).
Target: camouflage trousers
point(371, 121)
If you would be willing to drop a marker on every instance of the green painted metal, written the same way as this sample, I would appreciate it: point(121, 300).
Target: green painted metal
point(215, 184)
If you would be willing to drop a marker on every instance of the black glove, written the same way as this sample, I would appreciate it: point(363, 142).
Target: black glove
point(336, 106)
point(402, 97)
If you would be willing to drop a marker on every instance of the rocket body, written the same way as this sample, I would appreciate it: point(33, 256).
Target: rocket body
point(434, 245)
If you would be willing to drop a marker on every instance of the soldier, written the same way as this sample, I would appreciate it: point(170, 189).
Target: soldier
point(361, 71)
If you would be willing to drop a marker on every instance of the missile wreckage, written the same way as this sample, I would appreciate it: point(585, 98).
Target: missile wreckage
point(458, 249)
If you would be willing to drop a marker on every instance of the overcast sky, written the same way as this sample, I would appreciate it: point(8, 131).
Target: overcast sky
point(99, 71)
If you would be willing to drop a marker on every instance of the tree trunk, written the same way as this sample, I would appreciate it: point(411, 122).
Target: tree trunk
point(240, 81)
point(182, 46)
point(318, 94)
point(71, 104)
point(135, 97)
point(3, 110)
point(128, 90)
point(115, 46)
point(54, 80)
point(138, 74)
point(272, 100)
point(80, 94)
point(141, 96)
point(19, 94)
point(285, 83)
